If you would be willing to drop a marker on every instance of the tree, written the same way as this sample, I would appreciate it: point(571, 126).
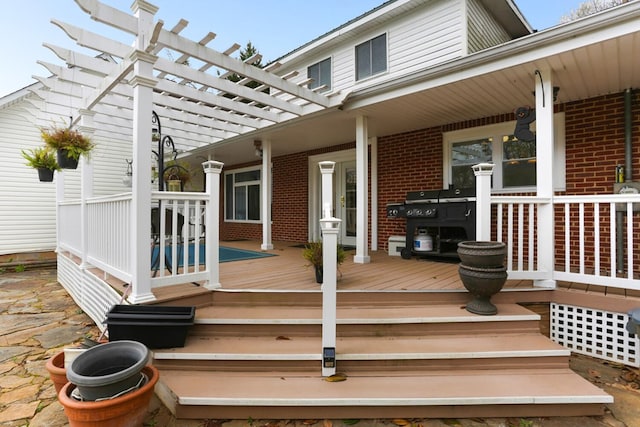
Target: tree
point(590, 7)
point(249, 51)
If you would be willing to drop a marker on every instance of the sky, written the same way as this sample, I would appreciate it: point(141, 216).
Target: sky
point(274, 27)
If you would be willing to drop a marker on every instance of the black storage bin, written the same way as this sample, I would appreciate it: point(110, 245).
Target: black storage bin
point(154, 326)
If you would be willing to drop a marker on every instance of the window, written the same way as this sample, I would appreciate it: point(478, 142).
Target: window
point(242, 195)
point(515, 160)
point(466, 154)
point(518, 162)
point(371, 57)
point(321, 75)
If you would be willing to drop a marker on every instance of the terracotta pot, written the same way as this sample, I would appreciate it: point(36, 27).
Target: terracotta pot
point(128, 410)
point(482, 254)
point(57, 373)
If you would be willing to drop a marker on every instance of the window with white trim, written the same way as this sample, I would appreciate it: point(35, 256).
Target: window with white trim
point(242, 195)
point(515, 160)
point(371, 57)
point(320, 72)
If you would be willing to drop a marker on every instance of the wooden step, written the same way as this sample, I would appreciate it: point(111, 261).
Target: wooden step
point(258, 354)
point(364, 354)
point(458, 394)
point(296, 321)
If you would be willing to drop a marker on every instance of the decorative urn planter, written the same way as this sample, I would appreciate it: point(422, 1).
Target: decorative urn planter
point(482, 253)
point(127, 410)
point(483, 273)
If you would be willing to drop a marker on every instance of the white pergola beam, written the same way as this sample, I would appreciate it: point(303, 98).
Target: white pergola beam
point(94, 41)
point(205, 54)
point(225, 85)
point(100, 12)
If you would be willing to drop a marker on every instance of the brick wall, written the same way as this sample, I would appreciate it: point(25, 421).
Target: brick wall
point(413, 160)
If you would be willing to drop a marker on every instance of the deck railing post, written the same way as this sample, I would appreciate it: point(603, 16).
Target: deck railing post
point(326, 169)
point(86, 186)
point(330, 228)
point(212, 170)
point(483, 172)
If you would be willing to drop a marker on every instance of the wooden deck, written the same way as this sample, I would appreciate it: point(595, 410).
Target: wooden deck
point(289, 271)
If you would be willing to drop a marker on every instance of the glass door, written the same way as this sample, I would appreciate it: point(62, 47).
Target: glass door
point(346, 203)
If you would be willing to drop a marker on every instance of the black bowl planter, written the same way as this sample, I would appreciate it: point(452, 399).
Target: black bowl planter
point(66, 162)
point(45, 175)
point(483, 273)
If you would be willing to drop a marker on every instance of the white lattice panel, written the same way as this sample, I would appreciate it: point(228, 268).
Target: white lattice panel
point(595, 333)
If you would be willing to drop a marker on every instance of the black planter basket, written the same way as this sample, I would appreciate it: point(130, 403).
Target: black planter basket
point(45, 175)
point(66, 162)
point(154, 326)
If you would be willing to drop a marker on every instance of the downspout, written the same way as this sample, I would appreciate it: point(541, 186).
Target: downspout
point(628, 176)
point(628, 146)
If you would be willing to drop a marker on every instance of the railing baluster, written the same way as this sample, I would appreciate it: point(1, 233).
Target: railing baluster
point(581, 235)
point(596, 238)
point(612, 231)
point(520, 236)
point(531, 237)
point(630, 244)
point(510, 236)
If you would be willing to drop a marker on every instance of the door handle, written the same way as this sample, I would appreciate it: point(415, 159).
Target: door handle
point(342, 201)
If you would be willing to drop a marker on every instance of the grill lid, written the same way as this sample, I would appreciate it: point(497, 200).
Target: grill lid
point(441, 196)
point(423, 196)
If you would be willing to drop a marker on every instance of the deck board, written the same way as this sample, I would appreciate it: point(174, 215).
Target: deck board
point(289, 271)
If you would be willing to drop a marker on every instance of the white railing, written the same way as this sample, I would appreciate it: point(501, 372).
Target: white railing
point(69, 217)
point(588, 233)
point(109, 236)
point(178, 253)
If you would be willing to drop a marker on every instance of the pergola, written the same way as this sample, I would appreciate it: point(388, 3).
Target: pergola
point(115, 92)
point(192, 94)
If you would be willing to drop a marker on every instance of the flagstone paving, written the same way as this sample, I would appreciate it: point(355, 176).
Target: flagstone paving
point(38, 319)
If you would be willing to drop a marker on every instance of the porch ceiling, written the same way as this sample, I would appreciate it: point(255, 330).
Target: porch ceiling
point(207, 114)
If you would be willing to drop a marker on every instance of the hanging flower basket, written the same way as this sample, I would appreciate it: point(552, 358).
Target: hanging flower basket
point(69, 144)
point(43, 160)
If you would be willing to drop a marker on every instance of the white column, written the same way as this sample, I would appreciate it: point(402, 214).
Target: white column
point(326, 171)
point(330, 228)
point(362, 205)
point(373, 143)
point(59, 176)
point(143, 83)
point(212, 170)
point(483, 172)
point(267, 243)
point(87, 128)
point(544, 176)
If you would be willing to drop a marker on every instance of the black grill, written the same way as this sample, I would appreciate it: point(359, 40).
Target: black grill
point(448, 217)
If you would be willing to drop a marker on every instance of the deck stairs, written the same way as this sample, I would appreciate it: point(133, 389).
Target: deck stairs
point(257, 355)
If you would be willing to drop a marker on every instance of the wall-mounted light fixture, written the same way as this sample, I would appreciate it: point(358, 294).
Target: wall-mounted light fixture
point(128, 174)
point(258, 146)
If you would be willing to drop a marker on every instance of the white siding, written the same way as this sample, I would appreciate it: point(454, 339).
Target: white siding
point(420, 38)
point(27, 206)
point(483, 30)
